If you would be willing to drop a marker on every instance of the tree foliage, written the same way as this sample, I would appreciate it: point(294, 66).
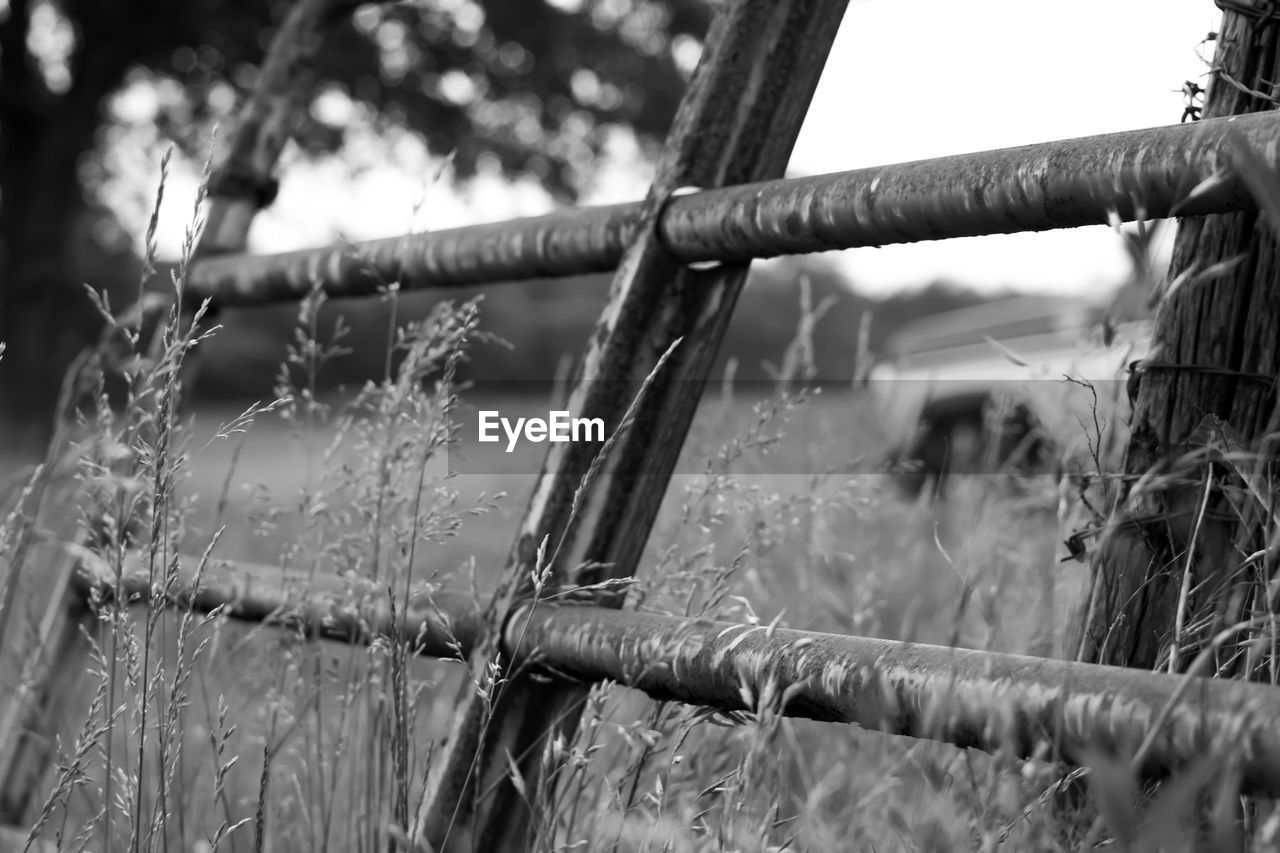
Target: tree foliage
point(530, 86)
point(530, 83)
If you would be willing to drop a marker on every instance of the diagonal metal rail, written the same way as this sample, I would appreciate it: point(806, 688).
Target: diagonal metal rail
point(1009, 704)
point(1150, 173)
point(736, 123)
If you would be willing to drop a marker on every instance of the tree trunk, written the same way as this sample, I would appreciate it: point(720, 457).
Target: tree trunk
point(45, 316)
point(1186, 554)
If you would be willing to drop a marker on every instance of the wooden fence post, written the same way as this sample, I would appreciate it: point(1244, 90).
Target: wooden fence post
point(242, 184)
point(1174, 568)
point(737, 123)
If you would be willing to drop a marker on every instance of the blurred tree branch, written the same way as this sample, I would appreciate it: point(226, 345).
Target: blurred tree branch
point(526, 86)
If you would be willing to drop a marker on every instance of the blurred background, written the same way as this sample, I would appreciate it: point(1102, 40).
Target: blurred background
point(442, 113)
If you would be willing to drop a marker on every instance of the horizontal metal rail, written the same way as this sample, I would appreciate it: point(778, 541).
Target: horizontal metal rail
point(317, 604)
point(995, 702)
point(1061, 184)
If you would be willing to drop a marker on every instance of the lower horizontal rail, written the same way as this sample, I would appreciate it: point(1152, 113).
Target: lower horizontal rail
point(317, 604)
point(995, 702)
point(1061, 184)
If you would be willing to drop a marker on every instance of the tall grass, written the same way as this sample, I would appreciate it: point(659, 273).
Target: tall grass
point(193, 732)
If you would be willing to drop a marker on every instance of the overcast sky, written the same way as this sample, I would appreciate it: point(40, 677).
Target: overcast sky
point(906, 80)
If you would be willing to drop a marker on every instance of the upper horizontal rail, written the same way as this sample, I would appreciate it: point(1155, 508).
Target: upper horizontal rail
point(995, 702)
point(1063, 184)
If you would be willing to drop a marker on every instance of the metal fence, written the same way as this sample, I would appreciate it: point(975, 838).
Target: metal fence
point(717, 197)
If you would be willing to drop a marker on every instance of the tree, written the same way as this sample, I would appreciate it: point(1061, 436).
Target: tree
point(532, 85)
point(1191, 548)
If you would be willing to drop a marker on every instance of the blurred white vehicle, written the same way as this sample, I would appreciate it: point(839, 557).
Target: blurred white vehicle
point(964, 389)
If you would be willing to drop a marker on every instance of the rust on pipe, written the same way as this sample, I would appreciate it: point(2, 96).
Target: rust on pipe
point(1141, 173)
point(1039, 187)
point(995, 702)
point(439, 623)
point(579, 240)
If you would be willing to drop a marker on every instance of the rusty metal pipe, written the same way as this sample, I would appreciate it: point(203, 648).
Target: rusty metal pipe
point(1059, 184)
point(995, 702)
point(440, 622)
point(569, 242)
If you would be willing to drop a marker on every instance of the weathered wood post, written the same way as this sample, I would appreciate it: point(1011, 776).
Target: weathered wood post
point(241, 185)
point(737, 123)
point(1186, 554)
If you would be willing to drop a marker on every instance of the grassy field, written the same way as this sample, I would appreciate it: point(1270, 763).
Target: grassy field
point(834, 549)
point(898, 564)
point(197, 733)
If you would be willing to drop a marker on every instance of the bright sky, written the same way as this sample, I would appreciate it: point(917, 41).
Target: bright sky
point(905, 81)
